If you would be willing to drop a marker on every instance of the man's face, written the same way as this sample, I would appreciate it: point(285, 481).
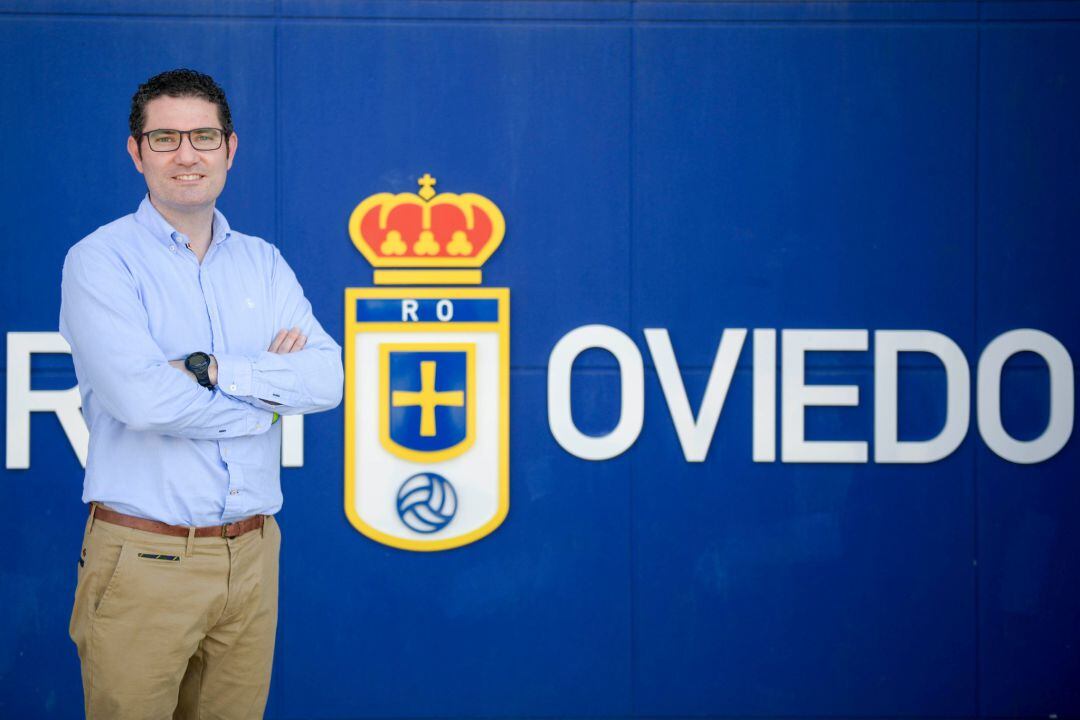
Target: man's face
point(185, 179)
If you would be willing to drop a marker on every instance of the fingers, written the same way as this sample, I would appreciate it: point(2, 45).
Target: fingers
point(287, 341)
point(276, 343)
point(288, 345)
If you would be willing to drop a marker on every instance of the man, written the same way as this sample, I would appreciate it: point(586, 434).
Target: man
point(189, 341)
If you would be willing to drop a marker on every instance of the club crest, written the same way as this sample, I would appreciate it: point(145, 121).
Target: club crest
point(427, 371)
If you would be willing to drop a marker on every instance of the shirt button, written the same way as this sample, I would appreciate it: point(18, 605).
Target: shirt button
point(234, 492)
point(172, 247)
point(233, 387)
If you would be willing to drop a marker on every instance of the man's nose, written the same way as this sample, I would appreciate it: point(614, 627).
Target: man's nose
point(186, 154)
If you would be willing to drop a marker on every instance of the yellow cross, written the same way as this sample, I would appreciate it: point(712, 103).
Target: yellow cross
point(427, 186)
point(427, 398)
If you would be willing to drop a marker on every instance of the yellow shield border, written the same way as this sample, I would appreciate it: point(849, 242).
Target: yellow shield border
point(501, 326)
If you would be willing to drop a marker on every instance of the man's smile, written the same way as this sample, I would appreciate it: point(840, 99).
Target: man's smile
point(188, 177)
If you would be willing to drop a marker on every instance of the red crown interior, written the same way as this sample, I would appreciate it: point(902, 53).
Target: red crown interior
point(445, 221)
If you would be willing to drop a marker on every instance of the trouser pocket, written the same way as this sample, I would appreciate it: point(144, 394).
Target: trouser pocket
point(97, 573)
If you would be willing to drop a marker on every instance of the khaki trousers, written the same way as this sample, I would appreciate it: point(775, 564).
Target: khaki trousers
point(167, 633)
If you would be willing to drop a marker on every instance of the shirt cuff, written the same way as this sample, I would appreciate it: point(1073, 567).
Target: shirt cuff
point(234, 375)
point(259, 421)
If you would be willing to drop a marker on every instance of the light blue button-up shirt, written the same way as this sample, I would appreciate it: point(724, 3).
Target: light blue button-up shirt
point(162, 447)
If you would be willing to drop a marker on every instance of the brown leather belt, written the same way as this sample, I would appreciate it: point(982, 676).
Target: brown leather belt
point(229, 530)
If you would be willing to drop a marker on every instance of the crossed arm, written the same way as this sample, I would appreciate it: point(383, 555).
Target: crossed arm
point(106, 324)
point(285, 342)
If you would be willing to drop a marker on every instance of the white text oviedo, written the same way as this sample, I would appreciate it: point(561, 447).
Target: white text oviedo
point(695, 433)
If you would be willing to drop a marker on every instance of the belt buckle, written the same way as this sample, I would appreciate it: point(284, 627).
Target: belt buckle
point(225, 531)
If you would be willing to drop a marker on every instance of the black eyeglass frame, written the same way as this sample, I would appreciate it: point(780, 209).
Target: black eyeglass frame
point(182, 133)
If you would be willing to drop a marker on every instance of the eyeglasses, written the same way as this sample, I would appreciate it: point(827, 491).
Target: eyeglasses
point(169, 140)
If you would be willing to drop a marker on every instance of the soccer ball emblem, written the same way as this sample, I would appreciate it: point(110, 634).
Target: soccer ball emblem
point(426, 502)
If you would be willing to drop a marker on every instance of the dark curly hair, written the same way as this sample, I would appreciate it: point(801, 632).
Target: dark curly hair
point(179, 83)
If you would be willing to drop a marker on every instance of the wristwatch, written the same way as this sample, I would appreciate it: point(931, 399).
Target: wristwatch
point(199, 364)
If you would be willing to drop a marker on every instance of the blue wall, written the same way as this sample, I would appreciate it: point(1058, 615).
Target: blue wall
point(688, 165)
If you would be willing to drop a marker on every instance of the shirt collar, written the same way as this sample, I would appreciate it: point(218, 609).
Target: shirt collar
point(148, 216)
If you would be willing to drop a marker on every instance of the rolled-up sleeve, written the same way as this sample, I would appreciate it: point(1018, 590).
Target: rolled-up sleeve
point(306, 381)
point(105, 323)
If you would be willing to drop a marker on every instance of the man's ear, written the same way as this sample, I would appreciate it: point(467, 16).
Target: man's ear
point(133, 150)
point(232, 151)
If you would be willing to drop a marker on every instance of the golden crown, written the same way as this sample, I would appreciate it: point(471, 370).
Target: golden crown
point(427, 230)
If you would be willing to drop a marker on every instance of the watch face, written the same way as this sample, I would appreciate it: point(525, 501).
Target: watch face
point(197, 361)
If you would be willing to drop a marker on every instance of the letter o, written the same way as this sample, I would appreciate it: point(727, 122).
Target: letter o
point(1060, 425)
point(632, 381)
point(444, 310)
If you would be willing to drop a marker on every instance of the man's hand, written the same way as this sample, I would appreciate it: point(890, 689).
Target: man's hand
point(287, 341)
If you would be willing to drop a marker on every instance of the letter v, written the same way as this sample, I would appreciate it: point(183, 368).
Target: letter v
point(695, 435)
